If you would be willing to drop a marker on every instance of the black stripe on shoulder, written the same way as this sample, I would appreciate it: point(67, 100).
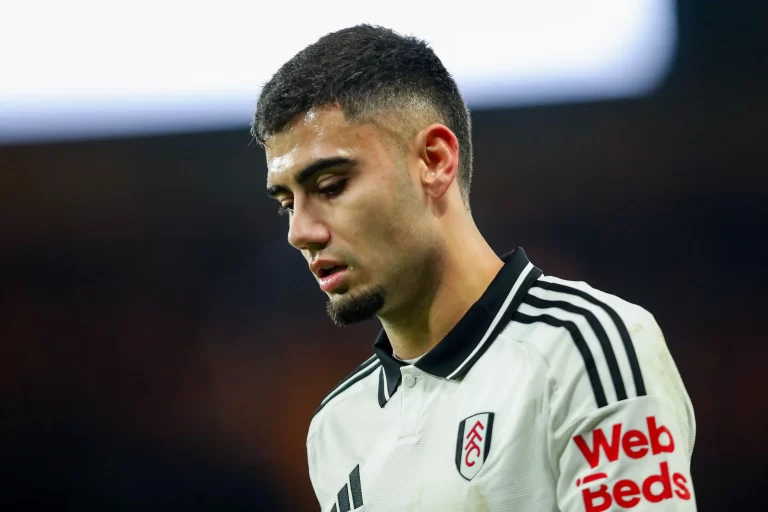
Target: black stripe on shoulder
point(626, 340)
point(358, 374)
point(581, 345)
point(597, 328)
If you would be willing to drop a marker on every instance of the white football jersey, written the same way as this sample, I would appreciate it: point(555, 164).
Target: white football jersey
point(547, 396)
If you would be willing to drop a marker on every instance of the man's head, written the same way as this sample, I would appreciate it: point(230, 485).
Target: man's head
point(368, 145)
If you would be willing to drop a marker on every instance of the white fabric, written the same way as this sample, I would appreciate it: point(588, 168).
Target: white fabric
point(409, 361)
point(552, 448)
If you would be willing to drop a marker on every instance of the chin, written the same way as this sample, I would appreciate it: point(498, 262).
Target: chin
point(353, 307)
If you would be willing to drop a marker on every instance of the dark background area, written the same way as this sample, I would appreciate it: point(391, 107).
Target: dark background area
point(162, 346)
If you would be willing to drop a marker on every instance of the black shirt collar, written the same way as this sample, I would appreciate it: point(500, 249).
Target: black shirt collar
point(455, 355)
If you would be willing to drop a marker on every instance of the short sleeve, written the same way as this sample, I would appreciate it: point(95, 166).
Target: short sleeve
point(633, 453)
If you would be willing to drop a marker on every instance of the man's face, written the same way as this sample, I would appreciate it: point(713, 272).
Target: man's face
point(355, 211)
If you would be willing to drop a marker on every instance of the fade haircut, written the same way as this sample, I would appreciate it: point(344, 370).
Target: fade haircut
point(368, 71)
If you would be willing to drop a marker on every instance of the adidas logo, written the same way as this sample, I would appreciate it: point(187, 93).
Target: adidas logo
point(352, 489)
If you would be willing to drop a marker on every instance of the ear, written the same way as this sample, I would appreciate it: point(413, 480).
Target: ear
point(439, 153)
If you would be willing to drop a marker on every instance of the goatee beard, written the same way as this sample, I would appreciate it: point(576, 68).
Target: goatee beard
point(356, 308)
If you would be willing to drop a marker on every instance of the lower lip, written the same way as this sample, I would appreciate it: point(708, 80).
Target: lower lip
point(328, 283)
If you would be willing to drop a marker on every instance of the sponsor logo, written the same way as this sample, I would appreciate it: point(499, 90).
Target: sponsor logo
point(473, 444)
point(661, 485)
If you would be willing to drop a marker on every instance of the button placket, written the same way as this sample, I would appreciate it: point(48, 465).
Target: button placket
point(412, 397)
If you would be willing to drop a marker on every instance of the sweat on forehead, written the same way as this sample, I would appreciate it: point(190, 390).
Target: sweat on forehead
point(322, 140)
point(322, 132)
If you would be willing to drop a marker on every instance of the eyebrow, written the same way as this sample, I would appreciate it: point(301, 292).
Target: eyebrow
point(309, 171)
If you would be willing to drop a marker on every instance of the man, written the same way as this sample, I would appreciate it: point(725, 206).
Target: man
point(492, 387)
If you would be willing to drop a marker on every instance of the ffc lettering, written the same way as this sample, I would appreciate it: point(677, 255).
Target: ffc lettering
point(473, 441)
point(661, 485)
point(472, 446)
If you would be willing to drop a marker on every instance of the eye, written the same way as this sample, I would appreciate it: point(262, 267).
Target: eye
point(285, 210)
point(334, 189)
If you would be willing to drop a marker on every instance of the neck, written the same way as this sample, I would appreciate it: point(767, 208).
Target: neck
point(466, 268)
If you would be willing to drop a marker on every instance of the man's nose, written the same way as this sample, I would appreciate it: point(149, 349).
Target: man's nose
point(307, 231)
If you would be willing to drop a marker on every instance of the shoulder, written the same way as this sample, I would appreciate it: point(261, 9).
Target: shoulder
point(597, 345)
point(357, 381)
point(580, 297)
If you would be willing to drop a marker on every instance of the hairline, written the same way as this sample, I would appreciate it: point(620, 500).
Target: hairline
point(390, 113)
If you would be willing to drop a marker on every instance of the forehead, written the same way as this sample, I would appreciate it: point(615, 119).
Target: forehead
point(321, 133)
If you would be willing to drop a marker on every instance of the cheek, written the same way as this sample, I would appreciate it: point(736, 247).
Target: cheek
point(385, 221)
point(395, 231)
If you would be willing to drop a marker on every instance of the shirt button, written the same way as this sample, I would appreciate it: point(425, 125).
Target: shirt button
point(409, 380)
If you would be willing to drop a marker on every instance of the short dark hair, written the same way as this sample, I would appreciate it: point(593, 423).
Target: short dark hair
point(362, 69)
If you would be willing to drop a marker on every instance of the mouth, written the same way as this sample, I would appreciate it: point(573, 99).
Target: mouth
point(325, 272)
point(331, 278)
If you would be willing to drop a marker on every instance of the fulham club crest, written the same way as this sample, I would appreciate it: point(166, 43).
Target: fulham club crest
point(473, 444)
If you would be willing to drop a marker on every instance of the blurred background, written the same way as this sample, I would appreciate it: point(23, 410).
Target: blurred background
point(163, 348)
